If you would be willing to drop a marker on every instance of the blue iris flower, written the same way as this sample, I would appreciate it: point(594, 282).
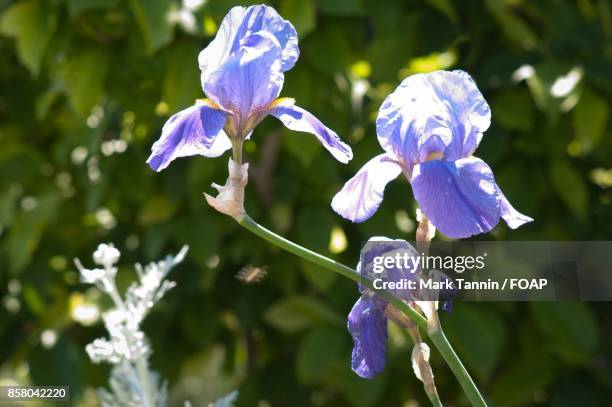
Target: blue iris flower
point(429, 128)
point(242, 77)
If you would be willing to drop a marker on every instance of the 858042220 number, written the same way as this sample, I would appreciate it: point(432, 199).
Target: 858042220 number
point(33, 393)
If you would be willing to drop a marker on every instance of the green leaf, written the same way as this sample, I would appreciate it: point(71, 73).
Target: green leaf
point(153, 18)
point(8, 197)
point(445, 7)
point(315, 238)
point(181, 82)
point(25, 234)
point(83, 75)
point(201, 233)
point(341, 7)
point(57, 366)
point(317, 354)
point(32, 24)
point(76, 7)
point(570, 186)
point(328, 56)
point(590, 119)
point(515, 29)
point(514, 110)
point(359, 392)
point(555, 87)
point(531, 371)
point(570, 328)
point(302, 147)
point(295, 313)
point(478, 337)
point(317, 275)
point(157, 209)
point(301, 13)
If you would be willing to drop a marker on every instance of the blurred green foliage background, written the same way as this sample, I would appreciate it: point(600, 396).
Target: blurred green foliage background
point(85, 88)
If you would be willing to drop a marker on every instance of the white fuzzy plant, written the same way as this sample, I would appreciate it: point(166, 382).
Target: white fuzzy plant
point(131, 383)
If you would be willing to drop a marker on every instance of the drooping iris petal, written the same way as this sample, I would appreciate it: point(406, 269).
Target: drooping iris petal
point(251, 78)
point(196, 130)
point(511, 216)
point(361, 195)
point(367, 325)
point(241, 22)
point(298, 119)
point(459, 197)
point(445, 105)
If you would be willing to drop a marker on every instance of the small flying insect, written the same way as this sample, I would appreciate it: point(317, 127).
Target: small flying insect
point(252, 274)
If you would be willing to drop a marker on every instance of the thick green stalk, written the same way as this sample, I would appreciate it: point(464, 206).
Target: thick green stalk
point(435, 333)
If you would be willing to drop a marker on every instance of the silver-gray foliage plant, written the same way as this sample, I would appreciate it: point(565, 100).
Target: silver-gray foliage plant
point(132, 382)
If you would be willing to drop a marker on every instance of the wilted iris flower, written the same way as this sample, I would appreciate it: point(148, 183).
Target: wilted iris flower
point(429, 128)
point(242, 76)
point(367, 320)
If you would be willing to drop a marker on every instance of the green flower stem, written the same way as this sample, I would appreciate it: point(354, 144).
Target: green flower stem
point(435, 332)
point(248, 223)
point(452, 360)
point(434, 399)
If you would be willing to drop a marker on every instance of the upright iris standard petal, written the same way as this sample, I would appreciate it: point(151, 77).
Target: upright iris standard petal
point(196, 130)
point(298, 119)
point(361, 195)
point(250, 79)
point(441, 104)
point(241, 22)
point(367, 325)
point(459, 197)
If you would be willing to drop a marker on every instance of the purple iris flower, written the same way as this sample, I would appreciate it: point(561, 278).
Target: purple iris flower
point(242, 76)
point(429, 128)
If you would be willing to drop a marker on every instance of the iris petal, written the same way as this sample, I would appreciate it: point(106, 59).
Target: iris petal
point(460, 198)
point(298, 119)
point(511, 216)
point(441, 104)
point(250, 79)
point(361, 195)
point(196, 130)
point(241, 22)
point(367, 325)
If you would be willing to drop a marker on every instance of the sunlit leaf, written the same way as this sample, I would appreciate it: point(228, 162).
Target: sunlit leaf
point(83, 75)
point(590, 119)
point(182, 79)
point(301, 13)
point(153, 17)
point(570, 186)
point(25, 234)
point(32, 24)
